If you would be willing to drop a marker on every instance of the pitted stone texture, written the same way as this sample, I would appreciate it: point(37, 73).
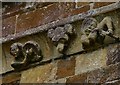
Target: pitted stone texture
point(81, 78)
point(39, 74)
point(57, 34)
point(82, 9)
point(105, 74)
point(100, 4)
point(8, 26)
point(101, 75)
point(113, 55)
point(65, 68)
point(42, 16)
point(90, 61)
point(79, 4)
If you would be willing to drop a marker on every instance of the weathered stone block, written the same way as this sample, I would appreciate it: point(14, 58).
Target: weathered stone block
point(7, 57)
point(81, 78)
point(90, 61)
point(27, 20)
point(58, 81)
point(44, 15)
point(8, 26)
point(65, 68)
point(101, 75)
point(105, 74)
point(113, 55)
point(79, 4)
point(11, 77)
point(77, 11)
point(39, 74)
point(100, 4)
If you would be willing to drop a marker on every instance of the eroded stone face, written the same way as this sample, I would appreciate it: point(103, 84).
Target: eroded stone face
point(61, 36)
point(25, 54)
point(56, 34)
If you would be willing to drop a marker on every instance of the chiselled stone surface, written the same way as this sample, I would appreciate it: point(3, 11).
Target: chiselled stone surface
point(113, 55)
point(101, 75)
point(65, 68)
point(39, 74)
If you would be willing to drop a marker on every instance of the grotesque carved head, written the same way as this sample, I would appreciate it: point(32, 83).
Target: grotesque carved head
point(88, 25)
point(15, 48)
point(25, 54)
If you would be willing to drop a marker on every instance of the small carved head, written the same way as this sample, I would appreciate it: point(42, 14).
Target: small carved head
point(15, 48)
point(88, 25)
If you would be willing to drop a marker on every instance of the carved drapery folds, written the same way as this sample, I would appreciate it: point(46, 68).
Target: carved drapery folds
point(94, 32)
point(61, 36)
point(25, 54)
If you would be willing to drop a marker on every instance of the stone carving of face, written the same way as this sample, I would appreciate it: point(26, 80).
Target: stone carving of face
point(14, 49)
point(88, 25)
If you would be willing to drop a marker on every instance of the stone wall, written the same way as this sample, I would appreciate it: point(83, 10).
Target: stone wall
point(101, 65)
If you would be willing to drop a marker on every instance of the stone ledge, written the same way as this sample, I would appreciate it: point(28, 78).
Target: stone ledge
point(70, 19)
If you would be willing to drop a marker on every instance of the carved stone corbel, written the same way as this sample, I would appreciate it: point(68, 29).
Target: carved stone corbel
point(25, 54)
point(61, 36)
point(94, 32)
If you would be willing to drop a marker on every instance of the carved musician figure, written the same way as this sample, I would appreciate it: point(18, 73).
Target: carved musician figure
point(94, 32)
